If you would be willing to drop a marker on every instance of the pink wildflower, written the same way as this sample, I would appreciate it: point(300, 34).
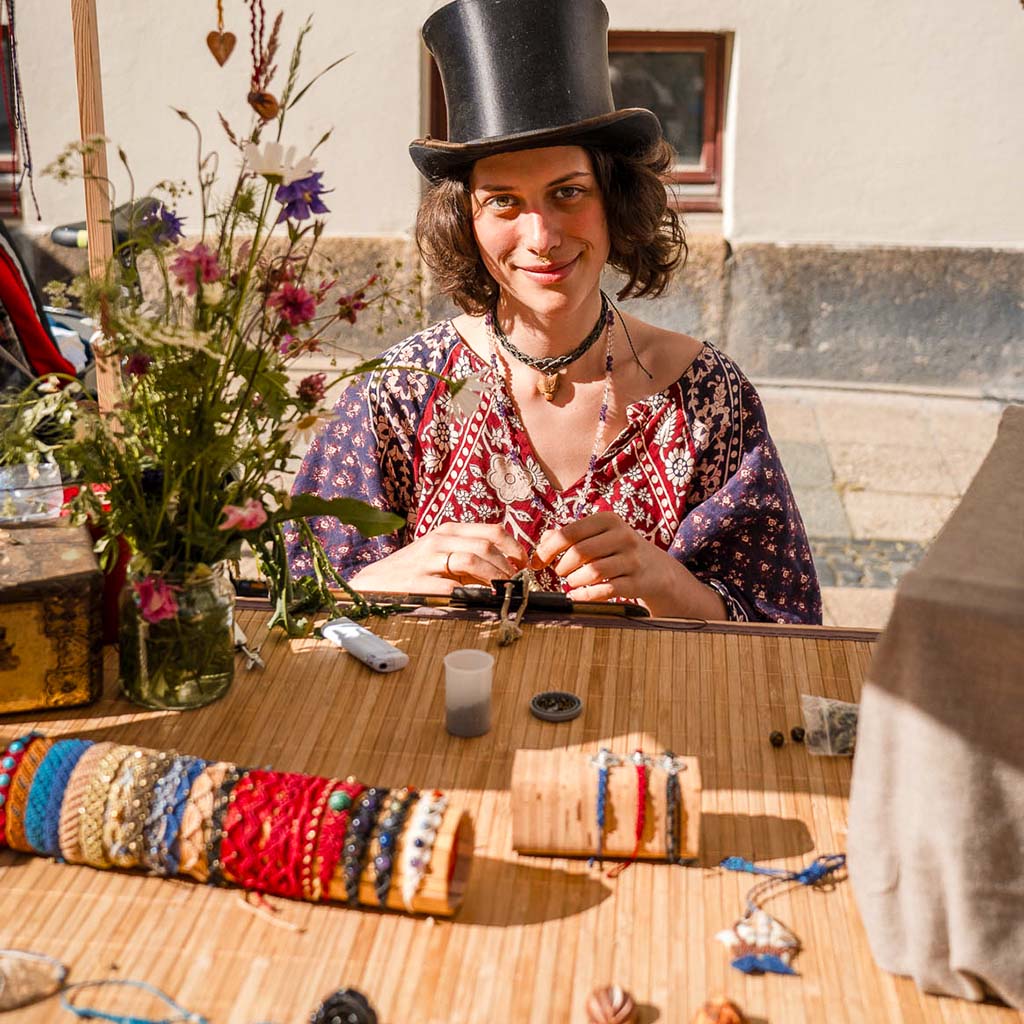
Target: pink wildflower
point(294, 303)
point(156, 599)
point(249, 516)
point(195, 266)
point(312, 389)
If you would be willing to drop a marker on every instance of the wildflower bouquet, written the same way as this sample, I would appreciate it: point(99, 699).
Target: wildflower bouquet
point(194, 459)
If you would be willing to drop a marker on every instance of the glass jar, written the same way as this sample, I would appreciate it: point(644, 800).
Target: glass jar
point(186, 658)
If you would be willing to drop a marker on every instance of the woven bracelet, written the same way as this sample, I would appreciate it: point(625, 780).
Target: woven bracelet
point(42, 812)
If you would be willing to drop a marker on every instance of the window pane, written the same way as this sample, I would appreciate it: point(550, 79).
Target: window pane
point(671, 85)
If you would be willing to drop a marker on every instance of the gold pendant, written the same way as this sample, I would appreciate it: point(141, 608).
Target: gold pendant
point(548, 385)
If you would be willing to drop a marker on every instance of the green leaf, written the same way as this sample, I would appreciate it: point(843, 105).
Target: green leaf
point(302, 92)
point(369, 521)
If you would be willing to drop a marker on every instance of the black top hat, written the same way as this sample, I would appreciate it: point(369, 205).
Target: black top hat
point(520, 74)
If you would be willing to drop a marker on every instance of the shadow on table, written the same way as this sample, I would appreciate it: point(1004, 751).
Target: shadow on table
point(752, 836)
point(504, 893)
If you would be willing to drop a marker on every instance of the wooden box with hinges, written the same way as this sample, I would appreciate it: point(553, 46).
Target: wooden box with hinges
point(50, 618)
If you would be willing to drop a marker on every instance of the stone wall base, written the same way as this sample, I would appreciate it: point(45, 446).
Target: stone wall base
point(933, 318)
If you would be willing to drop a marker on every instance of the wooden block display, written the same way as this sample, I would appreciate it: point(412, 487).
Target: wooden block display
point(554, 806)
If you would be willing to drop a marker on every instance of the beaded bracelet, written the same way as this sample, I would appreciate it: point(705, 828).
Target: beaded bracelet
point(220, 807)
point(118, 806)
point(310, 830)
point(161, 830)
point(42, 812)
point(672, 766)
point(388, 829)
point(8, 766)
point(21, 786)
point(333, 829)
point(74, 795)
point(424, 822)
point(128, 854)
point(357, 840)
point(603, 760)
point(194, 834)
point(94, 805)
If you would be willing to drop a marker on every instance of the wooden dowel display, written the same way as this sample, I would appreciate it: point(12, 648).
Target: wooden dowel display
point(554, 806)
point(99, 814)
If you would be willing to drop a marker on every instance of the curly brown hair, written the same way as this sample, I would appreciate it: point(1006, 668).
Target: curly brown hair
point(647, 239)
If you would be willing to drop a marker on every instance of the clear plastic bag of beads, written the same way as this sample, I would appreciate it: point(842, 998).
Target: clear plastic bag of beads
point(830, 725)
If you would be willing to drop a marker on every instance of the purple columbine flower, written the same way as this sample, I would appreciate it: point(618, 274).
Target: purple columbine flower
point(301, 199)
point(166, 224)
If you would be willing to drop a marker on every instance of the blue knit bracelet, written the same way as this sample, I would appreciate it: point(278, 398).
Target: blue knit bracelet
point(160, 848)
point(42, 809)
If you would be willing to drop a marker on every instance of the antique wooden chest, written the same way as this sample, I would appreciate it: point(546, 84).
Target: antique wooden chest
point(50, 628)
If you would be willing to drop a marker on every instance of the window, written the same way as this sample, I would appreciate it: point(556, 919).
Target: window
point(678, 75)
point(9, 202)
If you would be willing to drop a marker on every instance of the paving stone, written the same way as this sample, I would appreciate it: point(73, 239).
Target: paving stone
point(822, 512)
point(971, 426)
point(869, 419)
point(891, 467)
point(806, 464)
point(863, 608)
point(789, 419)
point(962, 466)
point(917, 517)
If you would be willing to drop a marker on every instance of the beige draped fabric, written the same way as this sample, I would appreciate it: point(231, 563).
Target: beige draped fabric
point(936, 838)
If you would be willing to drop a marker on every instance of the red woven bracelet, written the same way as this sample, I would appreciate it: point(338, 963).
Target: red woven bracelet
point(340, 800)
point(641, 764)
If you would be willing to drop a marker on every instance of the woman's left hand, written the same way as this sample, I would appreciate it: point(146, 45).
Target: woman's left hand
point(602, 557)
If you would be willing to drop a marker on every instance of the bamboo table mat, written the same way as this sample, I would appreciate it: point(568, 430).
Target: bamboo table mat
point(534, 935)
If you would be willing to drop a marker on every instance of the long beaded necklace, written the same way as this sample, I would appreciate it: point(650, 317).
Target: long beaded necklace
point(504, 406)
point(549, 367)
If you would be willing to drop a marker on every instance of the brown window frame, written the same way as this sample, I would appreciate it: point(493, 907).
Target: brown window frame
point(10, 200)
point(709, 170)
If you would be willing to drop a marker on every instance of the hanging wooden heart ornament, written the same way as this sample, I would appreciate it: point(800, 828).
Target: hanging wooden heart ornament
point(221, 45)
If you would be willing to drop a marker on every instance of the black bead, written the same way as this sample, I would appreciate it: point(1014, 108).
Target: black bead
point(776, 739)
point(797, 734)
point(346, 1006)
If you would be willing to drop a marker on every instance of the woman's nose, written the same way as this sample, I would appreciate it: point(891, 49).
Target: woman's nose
point(542, 233)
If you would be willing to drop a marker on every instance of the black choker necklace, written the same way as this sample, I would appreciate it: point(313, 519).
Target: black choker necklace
point(549, 366)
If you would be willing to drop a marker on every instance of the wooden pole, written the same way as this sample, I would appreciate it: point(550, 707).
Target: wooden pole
point(97, 196)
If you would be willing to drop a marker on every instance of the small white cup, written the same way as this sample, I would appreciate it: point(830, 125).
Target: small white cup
point(467, 692)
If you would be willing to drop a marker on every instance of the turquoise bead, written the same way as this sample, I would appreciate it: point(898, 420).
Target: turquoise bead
point(339, 801)
point(7, 763)
point(3, 799)
point(5, 779)
point(16, 747)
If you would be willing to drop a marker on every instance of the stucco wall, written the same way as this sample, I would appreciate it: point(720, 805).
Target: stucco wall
point(868, 123)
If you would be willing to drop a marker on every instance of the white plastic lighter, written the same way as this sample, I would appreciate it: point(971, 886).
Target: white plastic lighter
point(369, 648)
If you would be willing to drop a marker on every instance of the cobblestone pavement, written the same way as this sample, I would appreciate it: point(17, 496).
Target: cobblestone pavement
point(876, 474)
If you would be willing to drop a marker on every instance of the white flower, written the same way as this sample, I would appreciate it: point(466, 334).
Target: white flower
point(212, 293)
point(509, 480)
point(466, 395)
point(679, 466)
point(277, 164)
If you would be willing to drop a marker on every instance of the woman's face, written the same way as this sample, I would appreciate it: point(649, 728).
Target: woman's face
point(539, 222)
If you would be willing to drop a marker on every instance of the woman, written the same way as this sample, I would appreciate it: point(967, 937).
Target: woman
point(616, 459)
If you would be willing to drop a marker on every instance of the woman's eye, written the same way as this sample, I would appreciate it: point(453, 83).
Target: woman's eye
point(569, 192)
point(501, 202)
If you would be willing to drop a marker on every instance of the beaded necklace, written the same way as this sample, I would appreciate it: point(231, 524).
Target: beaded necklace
point(503, 403)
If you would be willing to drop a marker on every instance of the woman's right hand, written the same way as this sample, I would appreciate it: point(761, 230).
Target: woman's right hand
point(450, 554)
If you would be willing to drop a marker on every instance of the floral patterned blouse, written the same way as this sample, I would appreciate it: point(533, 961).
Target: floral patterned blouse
point(694, 471)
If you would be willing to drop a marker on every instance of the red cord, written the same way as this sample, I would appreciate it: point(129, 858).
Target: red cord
point(641, 812)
